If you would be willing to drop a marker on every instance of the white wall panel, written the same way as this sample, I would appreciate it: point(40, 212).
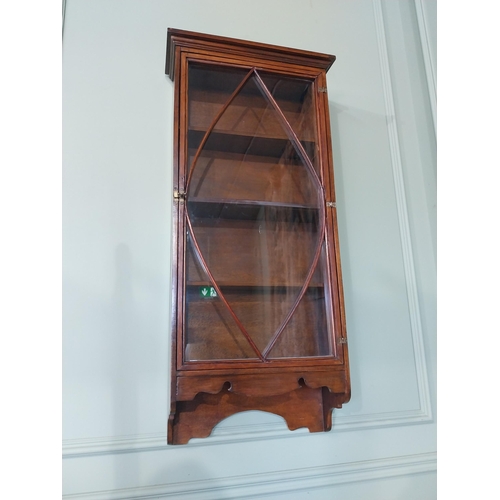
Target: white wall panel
point(117, 185)
point(427, 26)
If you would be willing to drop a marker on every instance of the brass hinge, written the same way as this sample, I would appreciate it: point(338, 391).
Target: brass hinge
point(322, 90)
point(179, 195)
point(342, 340)
point(331, 204)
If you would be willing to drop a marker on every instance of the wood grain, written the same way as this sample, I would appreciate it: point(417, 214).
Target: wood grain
point(252, 157)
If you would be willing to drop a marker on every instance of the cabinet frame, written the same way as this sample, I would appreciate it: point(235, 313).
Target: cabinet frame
point(323, 378)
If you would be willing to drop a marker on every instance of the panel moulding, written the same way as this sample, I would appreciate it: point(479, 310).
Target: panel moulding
point(256, 485)
point(427, 51)
point(236, 434)
point(404, 224)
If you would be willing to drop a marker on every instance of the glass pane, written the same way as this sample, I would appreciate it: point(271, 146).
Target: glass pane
point(211, 332)
point(307, 333)
point(295, 97)
point(208, 90)
point(255, 209)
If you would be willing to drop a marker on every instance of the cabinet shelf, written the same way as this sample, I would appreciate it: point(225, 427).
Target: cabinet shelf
point(255, 144)
point(253, 287)
point(251, 210)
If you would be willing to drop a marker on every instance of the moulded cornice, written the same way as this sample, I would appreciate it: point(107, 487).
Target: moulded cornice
point(180, 38)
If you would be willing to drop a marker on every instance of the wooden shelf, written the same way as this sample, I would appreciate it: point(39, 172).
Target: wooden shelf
point(251, 210)
point(253, 287)
point(257, 145)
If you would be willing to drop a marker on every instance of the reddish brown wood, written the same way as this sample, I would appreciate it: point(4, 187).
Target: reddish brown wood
point(301, 407)
point(224, 357)
point(260, 384)
point(245, 48)
point(249, 184)
point(332, 230)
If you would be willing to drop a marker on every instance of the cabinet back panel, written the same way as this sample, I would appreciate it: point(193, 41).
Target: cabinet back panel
point(245, 177)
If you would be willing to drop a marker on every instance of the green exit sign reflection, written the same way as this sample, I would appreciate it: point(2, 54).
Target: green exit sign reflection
point(207, 292)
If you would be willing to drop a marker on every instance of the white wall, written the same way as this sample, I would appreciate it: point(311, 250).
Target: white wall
point(117, 192)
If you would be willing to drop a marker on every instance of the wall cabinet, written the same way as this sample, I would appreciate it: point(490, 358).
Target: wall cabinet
point(258, 317)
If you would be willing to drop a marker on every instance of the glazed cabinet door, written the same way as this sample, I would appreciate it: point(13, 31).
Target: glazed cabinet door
point(256, 285)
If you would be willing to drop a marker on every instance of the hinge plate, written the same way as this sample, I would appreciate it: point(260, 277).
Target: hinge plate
point(322, 90)
point(342, 340)
point(331, 204)
point(179, 195)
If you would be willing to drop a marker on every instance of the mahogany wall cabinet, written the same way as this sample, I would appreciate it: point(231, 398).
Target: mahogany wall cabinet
point(258, 317)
